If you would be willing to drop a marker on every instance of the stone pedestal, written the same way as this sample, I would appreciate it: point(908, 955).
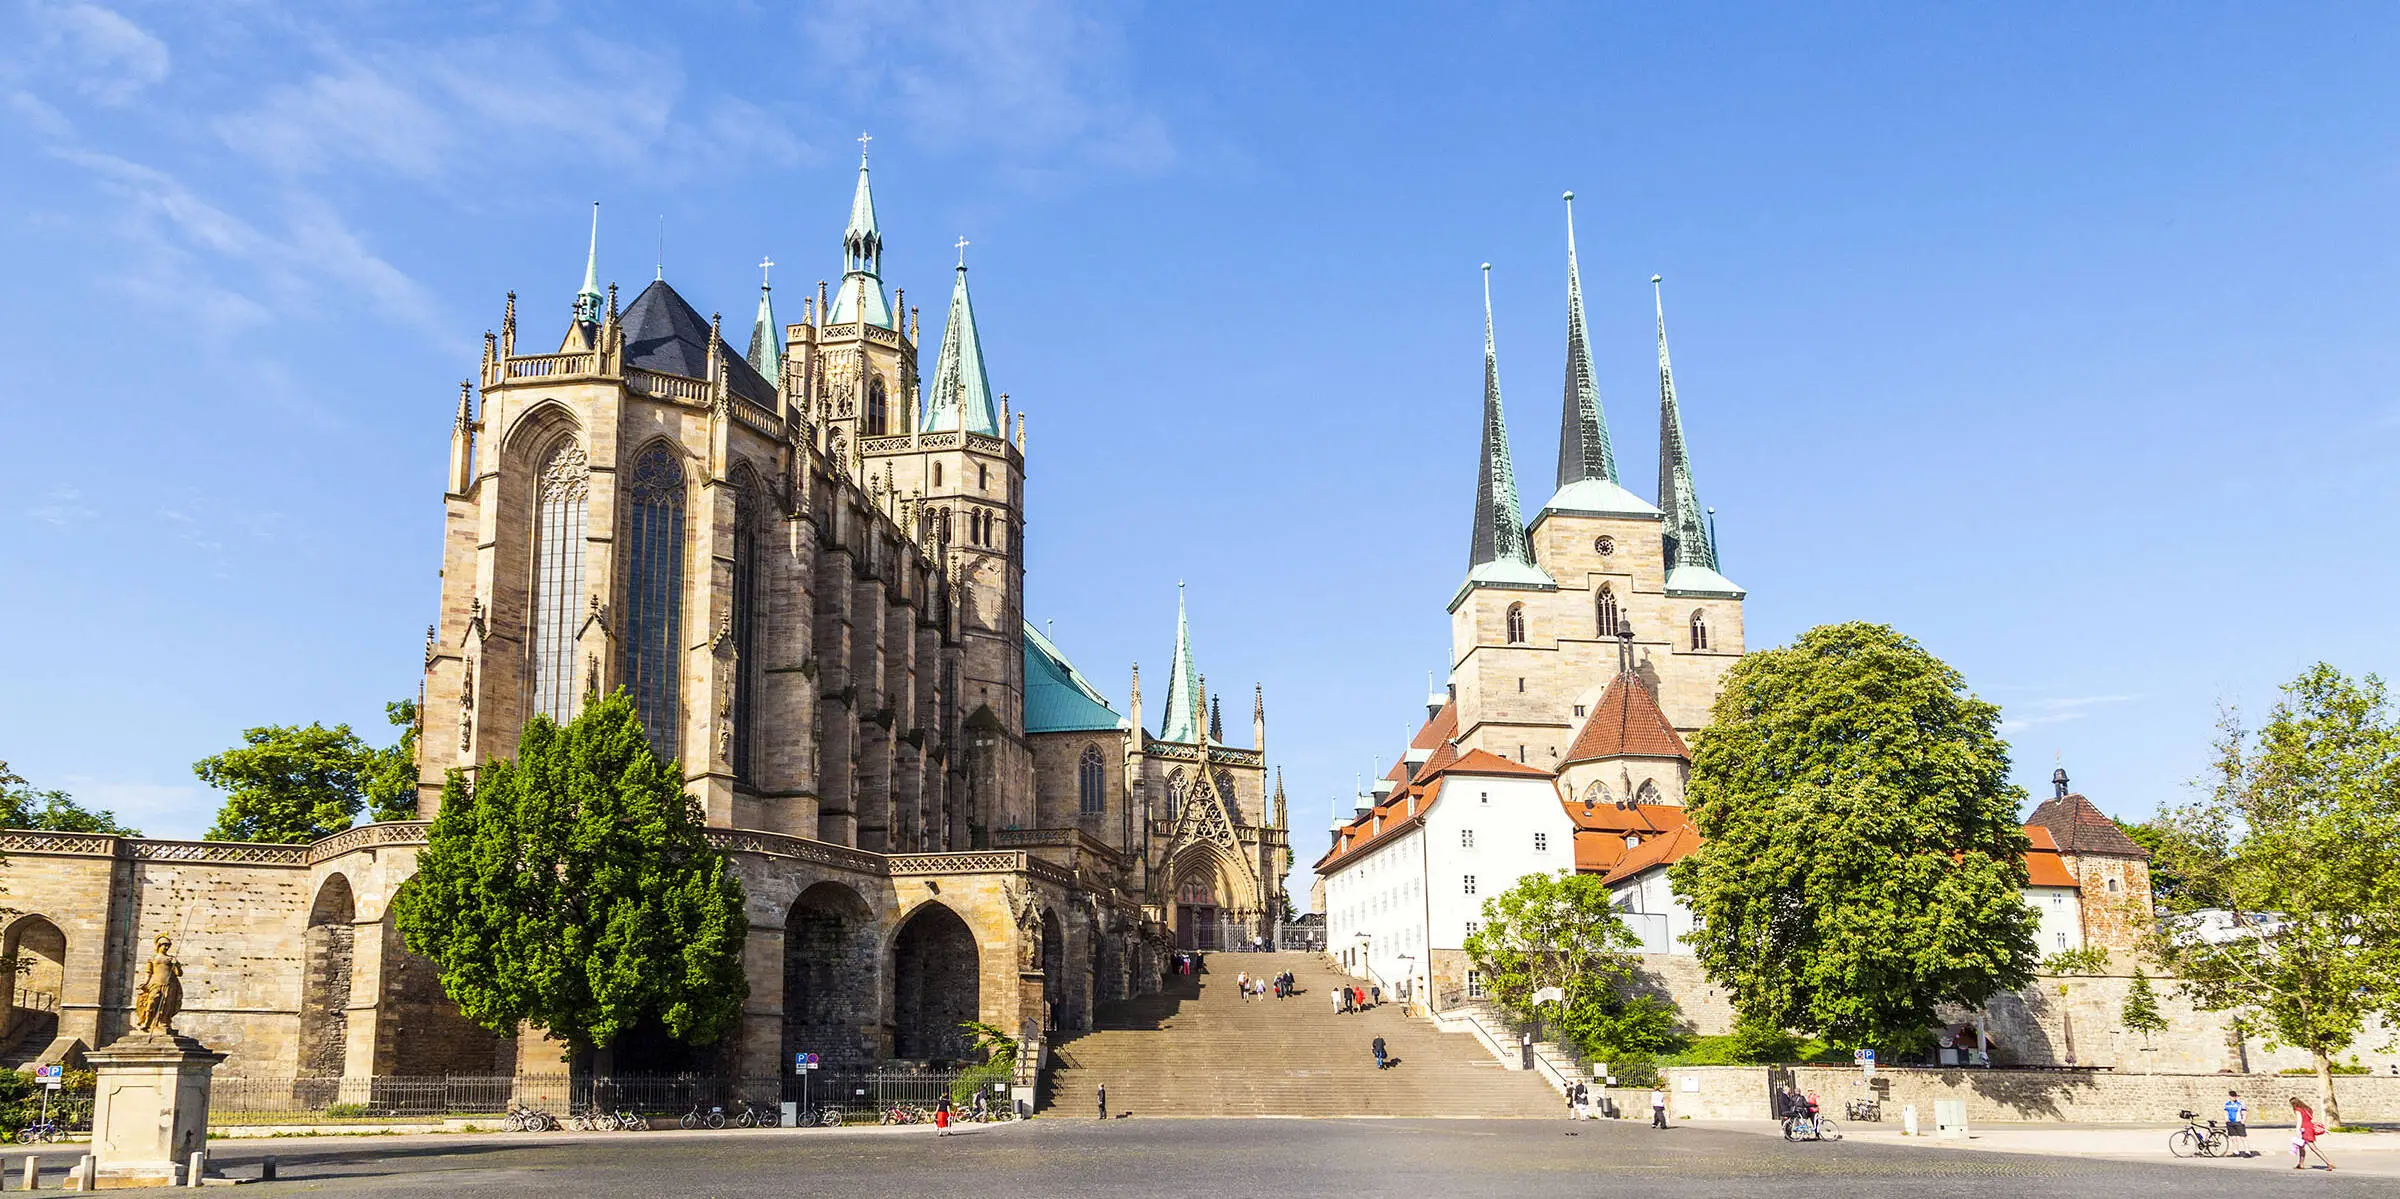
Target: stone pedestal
point(150, 1111)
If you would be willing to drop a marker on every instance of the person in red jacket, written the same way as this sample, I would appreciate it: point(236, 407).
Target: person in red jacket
point(2304, 1138)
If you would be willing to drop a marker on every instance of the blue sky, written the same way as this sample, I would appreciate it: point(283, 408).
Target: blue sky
point(2059, 338)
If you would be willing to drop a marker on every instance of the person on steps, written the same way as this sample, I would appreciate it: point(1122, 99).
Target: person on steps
point(1104, 1101)
point(1381, 1060)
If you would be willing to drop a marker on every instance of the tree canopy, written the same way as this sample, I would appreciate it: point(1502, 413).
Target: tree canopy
point(296, 784)
point(571, 889)
point(1560, 930)
point(1863, 860)
point(2294, 838)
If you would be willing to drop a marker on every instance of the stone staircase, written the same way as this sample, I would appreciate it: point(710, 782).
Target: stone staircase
point(1199, 1049)
point(1556, 1054)
point(26, 1035)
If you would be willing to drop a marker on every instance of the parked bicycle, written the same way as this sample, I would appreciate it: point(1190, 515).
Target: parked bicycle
point(38, 1131)
point(629, 1120)
point(699, 1117)
point(829, 1116)
point(529, 1119)
point(592, 1119)
point(2197, 1138)
point(1868, 1110)
point(758, 1115)
point(904, 1113)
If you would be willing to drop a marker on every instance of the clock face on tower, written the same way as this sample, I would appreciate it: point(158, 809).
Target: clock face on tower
point(1605, 546)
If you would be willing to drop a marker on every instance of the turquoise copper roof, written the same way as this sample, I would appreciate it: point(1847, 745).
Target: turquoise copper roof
point(766, 339)
point(1700, 580)
point(1583, 448)
point(1058, 699)
point(1598, 497)
point(962, 394)
point(1181, 721)
point(861, 294)
point(1689, 540)
point(1499, 536)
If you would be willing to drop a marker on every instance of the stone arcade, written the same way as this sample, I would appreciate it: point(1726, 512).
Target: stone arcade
point(805, 564)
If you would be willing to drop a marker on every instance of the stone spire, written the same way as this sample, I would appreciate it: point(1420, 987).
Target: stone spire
point(1216, 718)
point(1583, 448)
point(766, 338)
point(860, 297)
point(1181, 722)
point(1499, 533)
point(962, 394)
point(1688, 540)
point(587, 301)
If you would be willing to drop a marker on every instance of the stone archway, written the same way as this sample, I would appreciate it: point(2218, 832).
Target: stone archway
point(419, 1032)
point(328, 955)
point(829, 973)
point(937, 985)
point(29, 1000)
point(1059, 1005)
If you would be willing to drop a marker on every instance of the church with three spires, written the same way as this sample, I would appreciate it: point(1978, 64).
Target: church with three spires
point(803, 562)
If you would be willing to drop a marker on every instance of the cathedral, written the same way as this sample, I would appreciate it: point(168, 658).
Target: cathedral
point(804, 563)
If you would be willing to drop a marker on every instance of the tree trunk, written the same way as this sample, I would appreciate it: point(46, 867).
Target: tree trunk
point(2325, 1104)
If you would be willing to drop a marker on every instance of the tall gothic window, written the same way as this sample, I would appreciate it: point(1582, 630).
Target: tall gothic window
point(1175, 795)
point(1091, 783)
point(950, 705)
point(1648, 794)
point(654, 594)
point(1597, 794)
point(1608, 611)
point(746, 503)
point(558, 516)
point(1516, 624)
point(875, 407)
point(1699, 629)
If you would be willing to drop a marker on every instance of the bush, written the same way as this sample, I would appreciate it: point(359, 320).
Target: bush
point(980, 1078)
point(20, 1102)
point(345, 1111)
point(2349, 1067)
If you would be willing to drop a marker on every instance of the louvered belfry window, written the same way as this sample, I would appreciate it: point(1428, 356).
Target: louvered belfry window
point(654, 594)
point(558, 535)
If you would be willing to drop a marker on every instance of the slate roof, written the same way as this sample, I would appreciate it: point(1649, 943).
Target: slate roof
point(1058, 699)
point(664, 333)
point(2080, 828)
point(1626, 722)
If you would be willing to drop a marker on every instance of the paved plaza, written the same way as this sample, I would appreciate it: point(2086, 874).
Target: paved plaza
point(1071, 1157)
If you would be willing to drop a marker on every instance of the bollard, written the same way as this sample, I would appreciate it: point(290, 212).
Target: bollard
point(198, 1168)
point(33, 1172)
point(266, 1169)
point(87, 1174)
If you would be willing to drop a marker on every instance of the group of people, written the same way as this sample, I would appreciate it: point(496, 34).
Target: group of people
point(1792, 1107)
point(1281, 986)
point(2305, 1131)
point(1185, 964)
point(1355, 998)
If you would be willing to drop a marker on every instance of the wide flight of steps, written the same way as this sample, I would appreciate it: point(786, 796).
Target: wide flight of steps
point(1199, 1049)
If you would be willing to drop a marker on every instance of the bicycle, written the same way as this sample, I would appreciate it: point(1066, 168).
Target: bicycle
point(592, 1119)
point(629, 1120)
point(529, 1119)
point(1810, 1128)
point(903, 1114)
point(758, 1115)
point(2196, 1138)
point(712, 1118)
point(39, 1131)
point(1863, 1110)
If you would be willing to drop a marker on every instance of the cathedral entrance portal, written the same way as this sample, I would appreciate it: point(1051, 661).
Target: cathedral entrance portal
point(1196, 914)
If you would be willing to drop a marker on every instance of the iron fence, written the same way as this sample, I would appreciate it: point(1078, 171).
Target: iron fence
point(388, 1098)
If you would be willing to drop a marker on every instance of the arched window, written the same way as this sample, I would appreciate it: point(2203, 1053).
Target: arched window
point(654, 594)
point(1699, 629)
point(1607, 605)
point(1174, 795)
point(1091, 782)
point(1647, 793)
point(746, 500)
point(1516, 624)
point(937, 474)
point(875, 407)
point(562, 498)
point(1597, 794)
point(945, 527)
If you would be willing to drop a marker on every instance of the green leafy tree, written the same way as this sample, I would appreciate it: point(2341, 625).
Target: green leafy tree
point(2141, 1008)
point(391, 775)
point(1554, 930)
point(571, 889)
point(286, 783)
point(2295, 836)
point(1863, 860)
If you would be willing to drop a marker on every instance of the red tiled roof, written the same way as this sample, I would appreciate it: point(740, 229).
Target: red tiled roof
point(1443, 755)
point(1438, 730)
point(1656, 851)
point(2081, 828)
point(2044, 868)
point(1360, 833)
point(1627, 721)
point(1624, 818)
point(1477, 761)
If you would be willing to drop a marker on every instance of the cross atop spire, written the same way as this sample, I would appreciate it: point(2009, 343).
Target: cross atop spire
point(587, 301)
point(764, 266)
point(962, 251)
point(1583, 448)
point(1690, 543)
point(863, 139)
point(1499, 532)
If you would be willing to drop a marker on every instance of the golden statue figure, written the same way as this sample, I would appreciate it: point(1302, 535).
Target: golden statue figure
point(160, 996)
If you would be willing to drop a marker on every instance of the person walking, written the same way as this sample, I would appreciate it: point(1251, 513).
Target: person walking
point(1380, 1059)
point(1103, 1101)
point(2304, 1137)
point(1242, 980)
point(2237, 1124)
point(941, 1117)
point(1658, 1106)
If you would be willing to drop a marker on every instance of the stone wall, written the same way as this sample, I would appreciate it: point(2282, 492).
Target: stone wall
point(2094, 1096)
point(1700, 1093)
point(1707, 1008)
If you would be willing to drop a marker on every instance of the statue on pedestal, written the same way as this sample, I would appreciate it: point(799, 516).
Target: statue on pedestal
point(160, 996)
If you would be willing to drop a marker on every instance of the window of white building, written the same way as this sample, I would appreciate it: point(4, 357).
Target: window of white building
point(1541, 843)
point(1470, 884)
point(1466, 838)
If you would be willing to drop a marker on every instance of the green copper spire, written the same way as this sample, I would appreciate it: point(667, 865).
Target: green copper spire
point(1691, 549)
point(1182, 720)
point(1583, 448)
point(962, 396)
point(587, 301)
point(1499, 552)
point(766, 338)
point(860, 297)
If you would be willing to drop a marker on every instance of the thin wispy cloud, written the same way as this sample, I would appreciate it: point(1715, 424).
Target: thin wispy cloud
point(61, 507)
point(1045, 82)
point(2057, 710)
point(93, 51)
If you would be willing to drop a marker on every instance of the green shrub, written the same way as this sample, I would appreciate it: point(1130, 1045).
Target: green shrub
point(20, 1101)
point(980, 1078)
point(345, 1111)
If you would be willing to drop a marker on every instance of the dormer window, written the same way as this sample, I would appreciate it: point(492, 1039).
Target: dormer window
point(1632, 841)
